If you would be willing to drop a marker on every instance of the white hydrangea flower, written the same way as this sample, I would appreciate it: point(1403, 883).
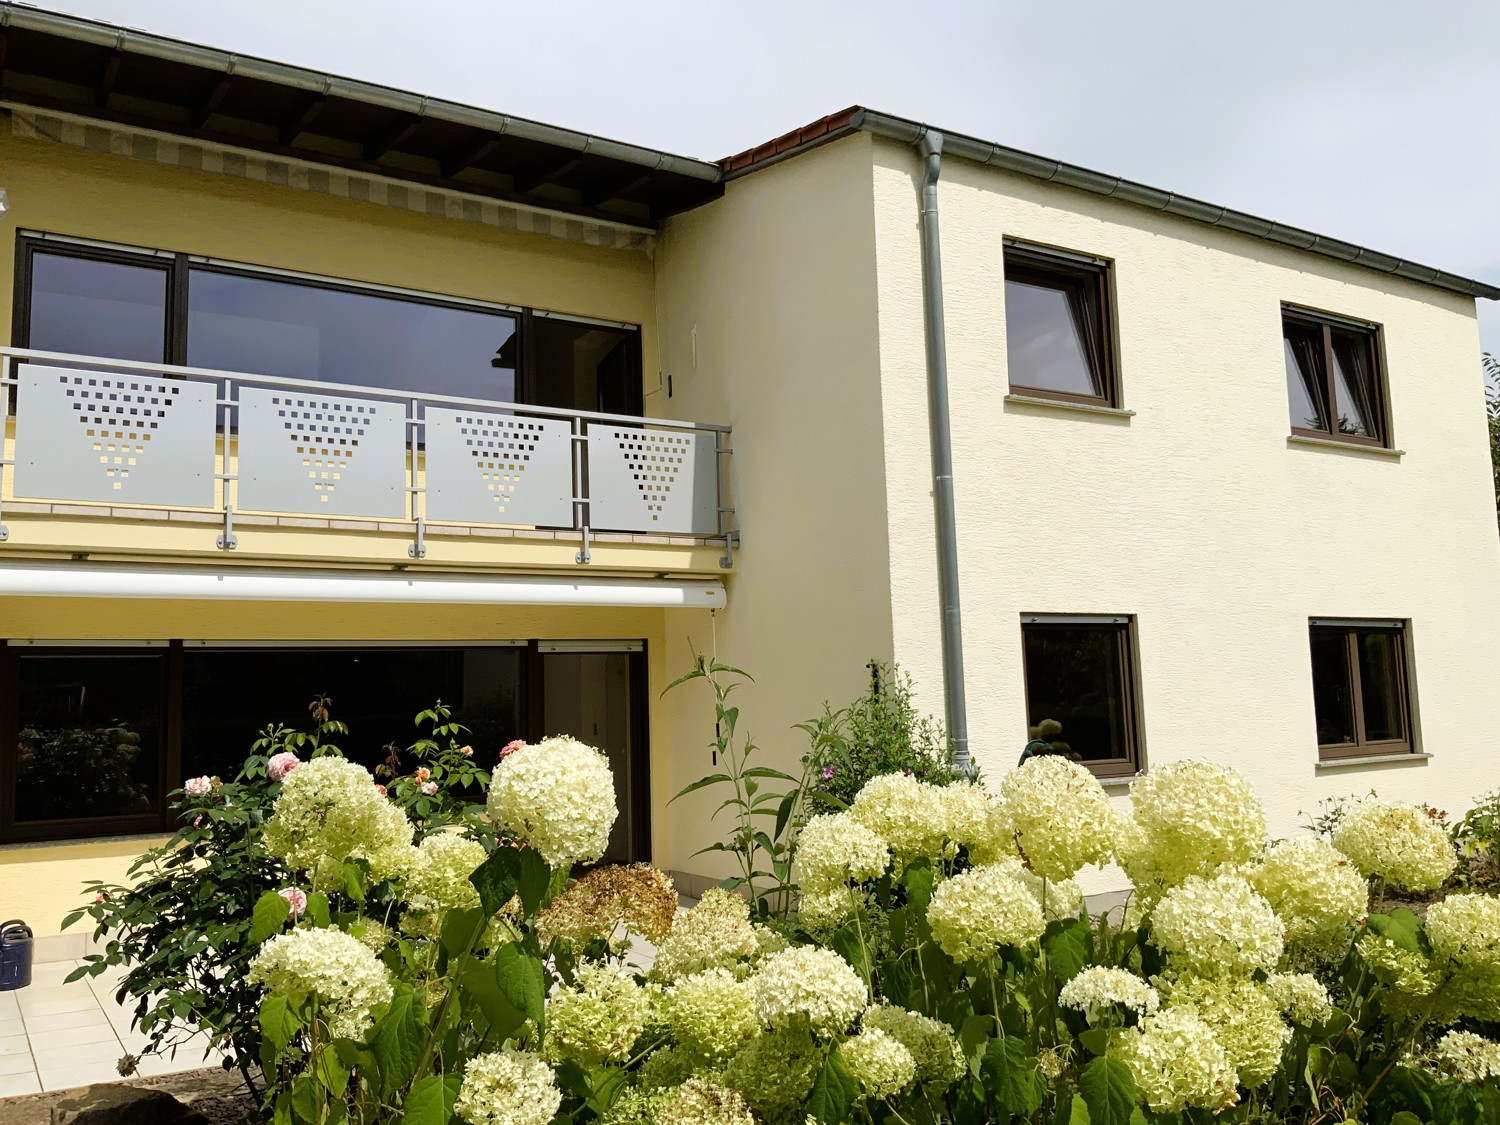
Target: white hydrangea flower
point(559, 796)
point(1218, 927)
point(375, 935)
point(1178, 1063)
point(906, 813)
point(714, 934)
point(1401, 970)
point(981, 909)
point(1301, 996)
point(809, 983)
point(701, 1101)
point(1058, 898)
point(1098, 988)
point(774, 1072)
point(599, 1018)
point(1397, 842)
point(879, 1062)
point(1189, 818)
point(833, 850)
point(508, 1088)
point(935, 1050)
point(974, 818)
point(438, 878)
point(338, 968)
point(1316, 890)
point(1465, 929)
point(823, 912)
point(329, 811)
point(711, 1013)
point(1060, 814)
point(1245, 1021)
point(1467, 1057)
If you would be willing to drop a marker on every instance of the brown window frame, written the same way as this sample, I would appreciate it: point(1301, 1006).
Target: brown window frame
point(1052, 266)
point(1363, 747)
point(1124, 626)
point(1328, 324)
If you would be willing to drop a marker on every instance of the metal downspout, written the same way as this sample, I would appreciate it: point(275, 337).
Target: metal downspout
point(930, 146)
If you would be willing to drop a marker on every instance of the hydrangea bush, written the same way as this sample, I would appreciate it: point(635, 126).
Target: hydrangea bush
point(941, 966)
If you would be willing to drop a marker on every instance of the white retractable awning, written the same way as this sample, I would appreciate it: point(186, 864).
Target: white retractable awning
point(80, 580)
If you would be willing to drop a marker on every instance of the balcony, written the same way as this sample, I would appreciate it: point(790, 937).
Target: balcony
point(102, 437)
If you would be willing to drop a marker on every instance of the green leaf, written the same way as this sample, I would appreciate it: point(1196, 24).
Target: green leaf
point(317, 909)
point(1406, 1117)
point(1108, 1090)
point(478, 981)
point(430, 1101)
point(1078, 1115)
point(767, 771)
point(498, 878)
point(848, 943)
point(269, 917)
point(1066, 943)
point(1009, 1078)
point(330, 1071)
point(702, 782)
point(521, 977)
point(535, 879)
point(1400, 926)
point(918, 880)
point(277, 1022)
point(460, 929)
point(307, 1100)
point(783, 814)
point(833, 1093)
point(354, 882)
point(398, 1040)
point(1095, 1040)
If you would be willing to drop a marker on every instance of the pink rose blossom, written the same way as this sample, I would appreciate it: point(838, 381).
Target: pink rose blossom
point(198, 786)
point(511, 747)
point(380, 789)
point(282, 764)
point(466, 751)
point(430, 788)
point(198, 821)
point(423, 773)
point(296, 901)
point(99, 898)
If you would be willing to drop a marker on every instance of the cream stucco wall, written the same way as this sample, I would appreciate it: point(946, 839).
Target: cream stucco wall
point(777, 282)
point(1195, 515)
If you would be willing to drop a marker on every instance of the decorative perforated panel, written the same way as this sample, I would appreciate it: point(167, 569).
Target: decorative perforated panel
point(322, 455)
point(110, 438)
point(652, 480)
point(498, 468)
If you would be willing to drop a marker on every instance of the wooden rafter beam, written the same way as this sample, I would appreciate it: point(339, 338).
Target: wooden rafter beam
point(464, 155)
point(107, 78)
point(392, 135)
point(529, 179)
point(298, 121)
point(616, 186)
point(209, 104)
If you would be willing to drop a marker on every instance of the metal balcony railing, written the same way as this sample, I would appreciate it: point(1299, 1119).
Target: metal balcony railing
point(103, 431)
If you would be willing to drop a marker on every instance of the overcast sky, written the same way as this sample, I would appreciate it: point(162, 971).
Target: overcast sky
point(1375, 121)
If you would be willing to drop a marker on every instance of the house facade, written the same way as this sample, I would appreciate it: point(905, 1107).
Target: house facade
point(318, 387)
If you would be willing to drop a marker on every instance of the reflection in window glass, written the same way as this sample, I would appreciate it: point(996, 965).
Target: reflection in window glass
point(1076, 675)
point(1048, 346)
point(1332, 696)
point(267, 326)
point(1380, 685)
point(1305, 386)
point(590, 696)
point(98, 308)
point(586, 367)
point(90, 736)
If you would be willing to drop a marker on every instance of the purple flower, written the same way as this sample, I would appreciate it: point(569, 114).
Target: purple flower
point(829, 771)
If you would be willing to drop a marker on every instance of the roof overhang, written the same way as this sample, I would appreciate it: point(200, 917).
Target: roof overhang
point(41, 580)
point(49, 60)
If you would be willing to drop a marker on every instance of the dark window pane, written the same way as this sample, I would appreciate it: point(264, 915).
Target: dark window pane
point(90, 738)
point(586, 367)
point(1380, 685)
point(1052, 333)
point(1075, 675)
point(1305, 386)
point(591, 696)
point(232, 695)
point(266, 326)
point(90, 307)
point(1354, 384)
point(1332, 692)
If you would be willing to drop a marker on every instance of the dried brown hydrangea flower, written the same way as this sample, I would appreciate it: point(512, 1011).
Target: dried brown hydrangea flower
point(639, 896)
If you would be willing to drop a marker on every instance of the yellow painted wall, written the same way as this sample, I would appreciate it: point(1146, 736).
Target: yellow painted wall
point(1195, 514)
point(40, 883)
point(778, 280)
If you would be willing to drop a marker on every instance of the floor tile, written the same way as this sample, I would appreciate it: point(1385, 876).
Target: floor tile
point(17, 1064)
point(13, 1085)
point(10, 1007)
point(84, 1017)
point(70, 1038)
point(15, 1045)
point(11, 1026)
point(66, 1078)
point(51, 1005)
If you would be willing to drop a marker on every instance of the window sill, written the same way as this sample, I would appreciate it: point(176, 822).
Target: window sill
point(1114, 413)
point(1119, 782)
point(1345, 446)
point(1333, 764)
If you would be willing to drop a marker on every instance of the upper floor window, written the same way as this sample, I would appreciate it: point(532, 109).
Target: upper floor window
point(167, 308)
point(1058, 325)
point(1335, 387)
point(1081, 675)
point(1360, 688)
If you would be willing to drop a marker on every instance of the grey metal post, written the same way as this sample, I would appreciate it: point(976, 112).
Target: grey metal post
point(930, 146)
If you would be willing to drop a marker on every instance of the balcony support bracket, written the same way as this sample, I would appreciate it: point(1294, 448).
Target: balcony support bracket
point(584, 556)
point(418, 548)
point(731, 541)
